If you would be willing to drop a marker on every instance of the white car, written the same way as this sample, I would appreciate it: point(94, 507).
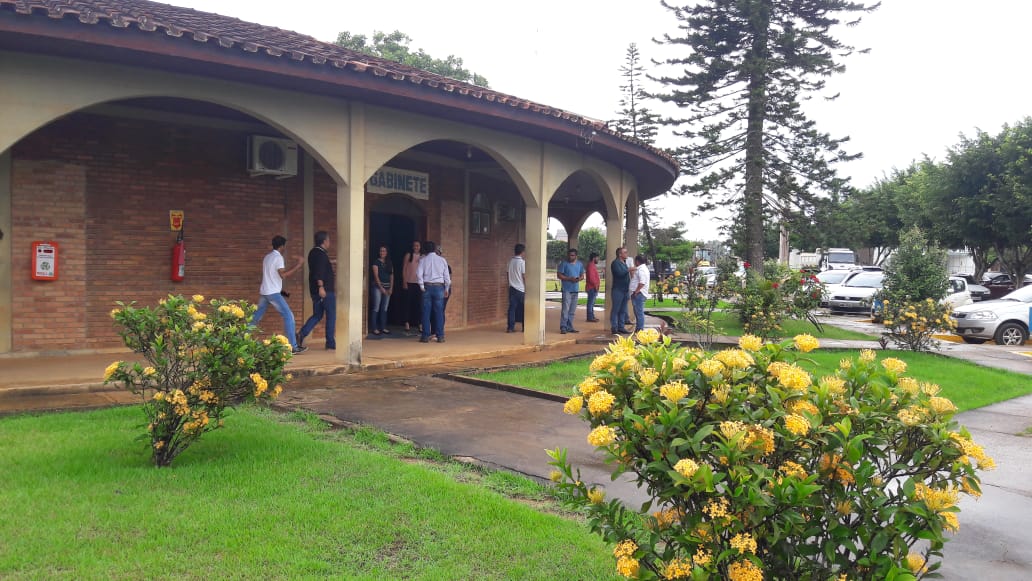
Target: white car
point(856, 294)
point(831, 280)
point(959, 295)
point(1004, 320)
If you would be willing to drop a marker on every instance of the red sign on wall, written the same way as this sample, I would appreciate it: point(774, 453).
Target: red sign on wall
point(44, 261)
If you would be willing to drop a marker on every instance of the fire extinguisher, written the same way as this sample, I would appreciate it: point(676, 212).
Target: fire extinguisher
point(179, 259)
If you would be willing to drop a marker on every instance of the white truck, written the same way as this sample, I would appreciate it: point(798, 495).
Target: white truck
point(838, 259)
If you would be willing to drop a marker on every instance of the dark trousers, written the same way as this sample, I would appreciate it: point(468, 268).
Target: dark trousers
point(516, 299)
point(433, 308)
point(618, 308)
point(320, 307)
point(413, 305)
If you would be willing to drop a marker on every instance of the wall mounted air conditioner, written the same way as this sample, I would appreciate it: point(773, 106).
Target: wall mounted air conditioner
point(271, 156)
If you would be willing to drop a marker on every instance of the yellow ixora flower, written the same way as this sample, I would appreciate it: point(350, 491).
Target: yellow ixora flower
point(711, 367)
point(734, 358)
point(794, 377)
point(573, 405)
point(686, 467)
point(647, 376)
point(744, 571)
point(600, 402)
point(602, 436)
point(916, 563)
point(743, 543)
point(867, 355)
point(750, 342)
point(111, 369)
point(625, 548)
point(806, 343)
point(674, 392)
point(198, 298)
point(628, 567)
point(149, 371)
point(797, 424)
point(894, 365)
point(596, 496)
point(647, 336)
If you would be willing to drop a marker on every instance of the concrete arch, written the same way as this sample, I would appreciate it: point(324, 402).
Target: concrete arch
point(519, 157)
point(606, 179)
point(40, 90)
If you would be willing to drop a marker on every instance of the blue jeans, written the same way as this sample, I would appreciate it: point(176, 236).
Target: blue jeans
point(378, 303)
point(569, 308)
point(280, 304)
point(516, 299)
point(592, 295)
point(618, 312)
point(433, 307)
point(327, 306)
point(638, 301)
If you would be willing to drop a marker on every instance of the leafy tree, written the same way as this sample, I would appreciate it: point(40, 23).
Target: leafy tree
point(395, 47)
point(591, 240)
point(917, 270)
point(638, 122)
point(748, 67)
point(556, 251)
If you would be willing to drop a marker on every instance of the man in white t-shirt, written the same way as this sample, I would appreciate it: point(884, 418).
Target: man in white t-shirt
point(639, 290)
point(517, 287)
point(273, 272)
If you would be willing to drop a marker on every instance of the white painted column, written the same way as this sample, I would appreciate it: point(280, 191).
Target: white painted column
point(350, 246)
point(537, 258)
point(614, 240)
point(6, 256)
point(633, 219)
point(308, 231)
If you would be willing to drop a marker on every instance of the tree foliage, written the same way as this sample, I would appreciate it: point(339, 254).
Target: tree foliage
point(748, 67)
point(394, 46)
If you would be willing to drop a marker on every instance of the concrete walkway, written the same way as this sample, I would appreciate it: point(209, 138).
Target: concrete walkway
point(402, 390)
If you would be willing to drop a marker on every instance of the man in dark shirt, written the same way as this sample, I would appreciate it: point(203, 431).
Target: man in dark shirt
point(619, 288)
point(321, 281)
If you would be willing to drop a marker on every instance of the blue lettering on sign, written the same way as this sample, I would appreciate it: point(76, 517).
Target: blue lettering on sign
point(391, 180)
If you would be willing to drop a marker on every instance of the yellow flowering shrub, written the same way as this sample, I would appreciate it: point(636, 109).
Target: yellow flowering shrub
point(201, 358)
point(754, 469)
point(912, 325)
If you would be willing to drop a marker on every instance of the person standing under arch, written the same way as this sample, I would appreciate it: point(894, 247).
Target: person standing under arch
point(382, 278)
point(413, 312)
point(321, 281)
point(273, 272)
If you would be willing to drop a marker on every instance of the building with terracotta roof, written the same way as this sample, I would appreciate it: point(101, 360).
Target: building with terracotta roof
point(119, 116)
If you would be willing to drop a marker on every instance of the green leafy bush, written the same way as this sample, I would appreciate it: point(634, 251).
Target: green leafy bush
point(199, 363)
point(765, 301)
point(757, 470)
point(912, 325)
point(917, 270)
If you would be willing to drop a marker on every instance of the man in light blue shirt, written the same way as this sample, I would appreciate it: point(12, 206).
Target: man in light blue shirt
point(434, 279)
point(571, 273)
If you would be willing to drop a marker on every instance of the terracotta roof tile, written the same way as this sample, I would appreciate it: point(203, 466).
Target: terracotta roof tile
point(251, 38)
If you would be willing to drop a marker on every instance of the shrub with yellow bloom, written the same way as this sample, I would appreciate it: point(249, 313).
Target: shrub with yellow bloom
point(750, 342)
point(806, 343)
point(573, 405)
point(206, 346)
point(647, 336)
point(772, 461)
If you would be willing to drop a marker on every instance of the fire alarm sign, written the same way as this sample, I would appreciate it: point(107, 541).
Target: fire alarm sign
point(44, 263)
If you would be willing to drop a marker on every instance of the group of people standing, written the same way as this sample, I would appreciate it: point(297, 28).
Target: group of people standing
point(629, 281)
point(426, 278)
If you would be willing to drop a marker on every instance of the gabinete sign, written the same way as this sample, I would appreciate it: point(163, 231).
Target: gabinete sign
point(390, 180)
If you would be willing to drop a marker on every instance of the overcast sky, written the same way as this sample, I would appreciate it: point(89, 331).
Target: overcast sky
point(937, 68)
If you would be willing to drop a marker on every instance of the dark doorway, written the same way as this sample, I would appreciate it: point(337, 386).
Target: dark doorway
point(396, 232)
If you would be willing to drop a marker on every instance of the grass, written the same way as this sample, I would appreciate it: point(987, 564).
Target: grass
point(969, 385)
point(266, 498)
point(727, 323)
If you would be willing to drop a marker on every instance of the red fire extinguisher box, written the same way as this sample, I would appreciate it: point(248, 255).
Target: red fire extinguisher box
point(44, 260)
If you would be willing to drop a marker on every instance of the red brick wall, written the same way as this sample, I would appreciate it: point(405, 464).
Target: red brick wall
point(49, 205)
point(102, 188)
point(132, 174)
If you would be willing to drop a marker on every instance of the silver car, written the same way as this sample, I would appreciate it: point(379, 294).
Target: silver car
point(856, 294)
point(1004, 320)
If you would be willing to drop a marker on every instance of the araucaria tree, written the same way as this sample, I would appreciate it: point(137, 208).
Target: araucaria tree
point(749, 66)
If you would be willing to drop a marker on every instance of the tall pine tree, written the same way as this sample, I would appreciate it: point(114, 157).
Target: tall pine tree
point(637, 121)
point(749, 66)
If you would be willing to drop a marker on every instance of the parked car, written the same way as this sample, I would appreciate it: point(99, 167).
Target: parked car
point(978, 292)
point(1004, 320)
point(857, 292)
point(831, 280)
point(1001, 283)
point(957, 295)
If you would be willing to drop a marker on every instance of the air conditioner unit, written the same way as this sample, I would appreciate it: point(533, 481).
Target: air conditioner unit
point(271, 156)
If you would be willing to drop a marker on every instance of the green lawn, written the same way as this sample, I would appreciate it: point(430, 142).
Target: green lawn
point(970, 386)
point(262, 499)
point(728, 324)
